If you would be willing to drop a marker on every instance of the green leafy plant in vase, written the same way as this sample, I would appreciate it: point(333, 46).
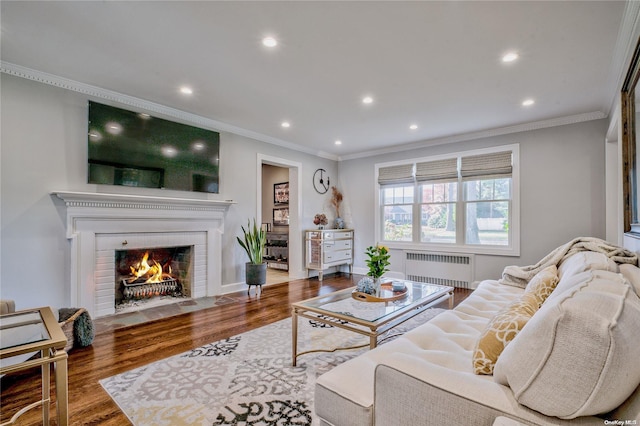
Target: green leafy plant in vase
point(253, 242)
point(378, 263)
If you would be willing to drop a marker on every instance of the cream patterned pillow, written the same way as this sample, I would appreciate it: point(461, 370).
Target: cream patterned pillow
point(510, 320)
point(543, 284)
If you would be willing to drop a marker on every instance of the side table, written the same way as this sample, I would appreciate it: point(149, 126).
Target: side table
point(36, 330)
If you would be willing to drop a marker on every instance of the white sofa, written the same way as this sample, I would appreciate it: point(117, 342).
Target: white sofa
point(426, 377)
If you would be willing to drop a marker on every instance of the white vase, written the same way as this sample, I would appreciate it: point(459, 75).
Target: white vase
point(377, 282)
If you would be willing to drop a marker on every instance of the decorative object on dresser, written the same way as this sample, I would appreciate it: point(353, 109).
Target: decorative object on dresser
point(255, 238)
point(336, 200)
point(321, 220)
point(328, 247)
point(277, 250)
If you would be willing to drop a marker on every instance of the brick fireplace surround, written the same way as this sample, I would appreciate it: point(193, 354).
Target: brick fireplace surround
point(98, 224)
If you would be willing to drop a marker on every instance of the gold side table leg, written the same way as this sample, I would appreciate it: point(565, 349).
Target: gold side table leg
point(46, 383)
point(451, 296)
point(62, 390)
point(294, 337)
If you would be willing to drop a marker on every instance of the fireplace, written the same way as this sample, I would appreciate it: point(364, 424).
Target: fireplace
point(100, 226)
point(152, 276)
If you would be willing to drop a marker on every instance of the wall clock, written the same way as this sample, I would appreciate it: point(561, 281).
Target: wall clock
point(321, 181)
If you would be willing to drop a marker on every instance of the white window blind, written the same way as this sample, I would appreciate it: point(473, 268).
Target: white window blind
point(492, 165)
point(395, 174)
point(438, 170)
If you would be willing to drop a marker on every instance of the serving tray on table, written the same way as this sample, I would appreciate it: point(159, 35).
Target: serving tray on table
point(386, 294)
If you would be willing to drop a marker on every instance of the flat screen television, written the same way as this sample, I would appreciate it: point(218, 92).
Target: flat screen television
point(135, 149)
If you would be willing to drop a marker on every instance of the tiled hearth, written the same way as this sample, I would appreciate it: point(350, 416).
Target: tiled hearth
point(100, 224)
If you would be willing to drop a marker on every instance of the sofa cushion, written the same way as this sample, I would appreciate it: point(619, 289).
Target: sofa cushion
point(577, 356)
point(585, 261)
point(510, 320)
point(631, 273)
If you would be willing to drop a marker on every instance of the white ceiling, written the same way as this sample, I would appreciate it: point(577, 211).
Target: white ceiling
point(436, 64)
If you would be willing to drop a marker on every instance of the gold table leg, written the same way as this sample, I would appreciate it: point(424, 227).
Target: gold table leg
point(294, 337)
point(62, 389)
point(46, 383)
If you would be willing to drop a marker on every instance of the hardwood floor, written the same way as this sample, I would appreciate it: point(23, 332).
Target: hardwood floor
point(117, 351)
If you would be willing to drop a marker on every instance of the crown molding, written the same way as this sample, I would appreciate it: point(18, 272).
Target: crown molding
point(525, 127)
point(148, 106)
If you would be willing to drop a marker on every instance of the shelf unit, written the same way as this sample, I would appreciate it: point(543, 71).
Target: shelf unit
point(276, 252)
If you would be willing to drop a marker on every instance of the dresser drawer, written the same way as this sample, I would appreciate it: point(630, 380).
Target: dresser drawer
point(337, 245)
point(337, 235)
point(337, 256)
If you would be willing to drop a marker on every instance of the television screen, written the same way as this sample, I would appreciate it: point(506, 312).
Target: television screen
point(135, 149)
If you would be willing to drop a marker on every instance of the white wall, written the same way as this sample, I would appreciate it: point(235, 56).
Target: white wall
point(562, 178)
point(44, 149)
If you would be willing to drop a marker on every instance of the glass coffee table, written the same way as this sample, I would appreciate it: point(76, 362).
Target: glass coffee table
point(36, 330)
point(371, 319)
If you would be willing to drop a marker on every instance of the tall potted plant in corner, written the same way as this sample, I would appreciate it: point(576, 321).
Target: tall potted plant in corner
point(253, 243)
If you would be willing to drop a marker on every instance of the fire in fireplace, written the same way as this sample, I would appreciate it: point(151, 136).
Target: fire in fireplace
point(152, 273)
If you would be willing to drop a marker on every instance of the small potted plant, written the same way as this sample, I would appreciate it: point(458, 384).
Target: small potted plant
point(378, 264)
point(253, 244)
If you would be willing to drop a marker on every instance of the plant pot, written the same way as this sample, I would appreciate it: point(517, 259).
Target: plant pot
point(255, 274)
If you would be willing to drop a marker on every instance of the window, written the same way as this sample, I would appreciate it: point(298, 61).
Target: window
point(466, 201)
point(397, 204)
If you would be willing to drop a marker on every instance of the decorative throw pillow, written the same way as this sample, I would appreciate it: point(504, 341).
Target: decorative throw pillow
point(510, 320)
point(578, 355)
point(543, 284)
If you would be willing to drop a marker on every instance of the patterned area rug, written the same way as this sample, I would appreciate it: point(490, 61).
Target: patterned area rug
point(244, 380)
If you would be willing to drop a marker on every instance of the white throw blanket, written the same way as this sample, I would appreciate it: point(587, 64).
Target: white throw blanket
point(519, 276)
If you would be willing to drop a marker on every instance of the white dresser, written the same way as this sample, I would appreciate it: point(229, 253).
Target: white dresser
point(328, 247)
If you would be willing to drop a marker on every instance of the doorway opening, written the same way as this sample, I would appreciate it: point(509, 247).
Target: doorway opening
point(275, 219)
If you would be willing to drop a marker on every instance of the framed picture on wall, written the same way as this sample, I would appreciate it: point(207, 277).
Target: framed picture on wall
point(281, 216)
point(281, 193)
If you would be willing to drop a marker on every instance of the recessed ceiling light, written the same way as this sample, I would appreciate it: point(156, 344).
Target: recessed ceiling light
point(367, 100)
point(285, 124)
point(413, 126)
point(270, 42)
point(185, 90)
point(338, 142)
point(528, 102)
point(510, 57)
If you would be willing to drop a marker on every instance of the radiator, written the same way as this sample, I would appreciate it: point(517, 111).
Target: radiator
point(452, 269)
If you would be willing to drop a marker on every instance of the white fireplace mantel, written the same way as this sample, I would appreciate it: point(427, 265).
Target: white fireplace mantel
point(91, 215)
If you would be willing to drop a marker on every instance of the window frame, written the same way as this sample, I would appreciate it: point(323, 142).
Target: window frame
point(512, 249)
